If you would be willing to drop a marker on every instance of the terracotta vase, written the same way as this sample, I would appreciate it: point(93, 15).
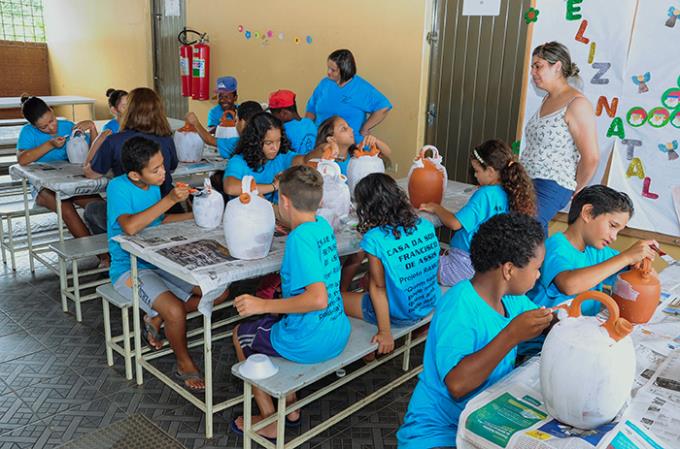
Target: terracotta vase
point(637, 292)
point(427, 178)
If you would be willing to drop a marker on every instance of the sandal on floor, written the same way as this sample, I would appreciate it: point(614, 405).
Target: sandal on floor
point(234, 428)
point(294, 424)
point(183, 377)
point(155, 333)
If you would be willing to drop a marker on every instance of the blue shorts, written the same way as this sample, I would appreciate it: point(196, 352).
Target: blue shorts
point(368, 312)
point(255, 336)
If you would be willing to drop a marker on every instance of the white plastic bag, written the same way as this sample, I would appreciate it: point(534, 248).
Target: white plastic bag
point(336, 202)
point(425, 177)
point(363, 164)
point(249, 223)
point(227, 127)
point(77, 147)
point(208, 207)
point(188, 144)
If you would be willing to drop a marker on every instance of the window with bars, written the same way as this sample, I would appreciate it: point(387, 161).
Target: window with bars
point(22, 20)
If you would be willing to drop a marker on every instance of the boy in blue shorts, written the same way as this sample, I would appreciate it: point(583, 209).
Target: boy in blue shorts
point(476, 327)
point(134, 203)
point(309, 324)
point(227, 96)
point(300, 131)
point(580, 259)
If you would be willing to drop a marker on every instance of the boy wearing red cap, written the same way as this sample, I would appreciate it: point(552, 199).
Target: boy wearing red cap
point(300, 131)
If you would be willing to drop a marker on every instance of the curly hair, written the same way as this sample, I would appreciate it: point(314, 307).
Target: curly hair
point(511, 237)
point(514, 178)
point(382, 203)
point(251, 142)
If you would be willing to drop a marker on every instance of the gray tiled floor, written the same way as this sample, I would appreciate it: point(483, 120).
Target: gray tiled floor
point(55, 385)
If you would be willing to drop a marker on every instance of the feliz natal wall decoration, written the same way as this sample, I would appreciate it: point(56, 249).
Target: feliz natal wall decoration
point(629, 68)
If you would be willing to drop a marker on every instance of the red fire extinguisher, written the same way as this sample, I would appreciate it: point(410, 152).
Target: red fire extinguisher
point(194, 60)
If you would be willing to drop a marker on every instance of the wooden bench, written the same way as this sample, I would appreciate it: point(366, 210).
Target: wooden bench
point(292, 377)
point(73, 251)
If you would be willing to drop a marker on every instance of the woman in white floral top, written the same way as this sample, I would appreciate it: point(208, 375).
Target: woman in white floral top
point(561, 152)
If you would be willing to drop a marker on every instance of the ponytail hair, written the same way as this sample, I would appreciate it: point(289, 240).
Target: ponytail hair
point(33, 108)
point(514, 178)
point(114, 96)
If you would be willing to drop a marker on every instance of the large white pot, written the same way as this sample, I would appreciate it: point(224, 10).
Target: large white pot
point(363, 164)
point(336, 201)
point(587, 367)
point(77, 147)
point(208, 207)
point(189, 146)
point(249, 223)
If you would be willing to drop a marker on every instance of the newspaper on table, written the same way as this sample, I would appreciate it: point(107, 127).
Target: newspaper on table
point(201, 257)
point(511, 414)
point(70, 180)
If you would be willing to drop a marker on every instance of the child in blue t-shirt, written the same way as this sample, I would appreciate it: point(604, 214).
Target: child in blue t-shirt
point(262, 152)
point(117, 105)
point(580, 259)
point(301, 132)
point(134, 203)
point(227, 96)
point(309, 324)
point(226, 146)
point(337, 133)
point(476, 327)
point(504, 186)
point(44, 139)
point(403, 255)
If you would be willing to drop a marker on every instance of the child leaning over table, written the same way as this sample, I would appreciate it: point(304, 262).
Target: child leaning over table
point(476, 328)
point(134, 203)
point(309, 324)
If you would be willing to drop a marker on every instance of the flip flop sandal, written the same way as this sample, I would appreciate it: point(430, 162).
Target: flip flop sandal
point(234, 428)
point(183, 377)
point(155, 333)
point(294, 424)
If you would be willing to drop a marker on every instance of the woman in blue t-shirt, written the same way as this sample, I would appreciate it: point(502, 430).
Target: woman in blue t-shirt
point(504, 187)
point(43, 139)
point(403, 255)
point(263, 151)
point(346, 94)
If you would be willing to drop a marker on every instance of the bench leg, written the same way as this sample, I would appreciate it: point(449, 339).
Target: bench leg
point(107, 331)
point(10, 236)
point(207, 369)
point(135, 320)
point(281, 423)
point(2, 241)
point(247, 414)
point(124, 314)
point(407, 354)
point(76, 290)
point(63, 284)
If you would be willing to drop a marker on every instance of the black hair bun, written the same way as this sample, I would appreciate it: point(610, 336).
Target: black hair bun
point(24, 98)
point(109, 91)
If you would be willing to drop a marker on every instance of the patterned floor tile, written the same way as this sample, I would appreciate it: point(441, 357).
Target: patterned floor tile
point(41, 366)
point(38, 435)
point(14, 413)
point(17, 345)
point(58, 395)
point(7, 325)
point(86, 418)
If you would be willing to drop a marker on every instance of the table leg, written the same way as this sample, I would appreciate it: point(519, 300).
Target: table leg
point(73, 112)
point(135, 319)
point(207, 360)
point(29, 235)
point(93, 114)
point(60, 222)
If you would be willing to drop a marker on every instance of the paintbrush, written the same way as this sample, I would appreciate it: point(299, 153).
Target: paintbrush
point(665, 257)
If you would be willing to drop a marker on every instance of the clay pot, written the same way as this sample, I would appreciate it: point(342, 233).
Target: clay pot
point(637, 292)
point(427, 178)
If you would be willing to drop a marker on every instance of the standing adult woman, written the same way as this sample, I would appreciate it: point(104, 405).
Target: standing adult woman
point(346, 94)
point(561, 153)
